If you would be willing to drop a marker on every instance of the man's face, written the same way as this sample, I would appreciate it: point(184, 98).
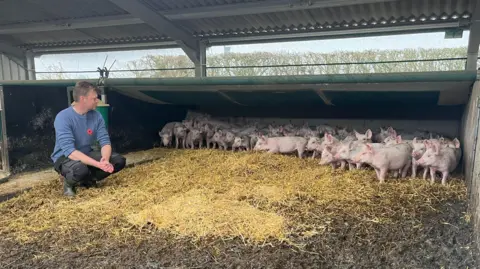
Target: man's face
point(91, 100)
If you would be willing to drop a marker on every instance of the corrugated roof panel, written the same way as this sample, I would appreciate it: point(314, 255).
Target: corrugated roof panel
point(166, 5)
point(100, 34)
point(334, 15)
point(24, 11)
point(21, 11)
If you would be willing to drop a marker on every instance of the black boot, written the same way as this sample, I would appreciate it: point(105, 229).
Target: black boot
point(69, 187)
point(89, 183)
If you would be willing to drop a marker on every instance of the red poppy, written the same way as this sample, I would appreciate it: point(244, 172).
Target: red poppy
point(89, 131)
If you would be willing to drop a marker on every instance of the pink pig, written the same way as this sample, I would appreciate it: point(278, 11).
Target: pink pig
point(282, 144)
point(387, 158)
point(442, 158)
point(327, 157)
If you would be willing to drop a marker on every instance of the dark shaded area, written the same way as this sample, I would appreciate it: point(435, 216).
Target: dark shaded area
point(31, 110)
point(441, 240)
point(134, 124)
point(363, 112)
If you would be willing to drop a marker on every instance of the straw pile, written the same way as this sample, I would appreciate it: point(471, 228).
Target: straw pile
point(201, 194)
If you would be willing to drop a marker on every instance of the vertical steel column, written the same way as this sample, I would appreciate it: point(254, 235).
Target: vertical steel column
point(4, 142)
point(474, 39)
point(30, 59)
point(201, 65)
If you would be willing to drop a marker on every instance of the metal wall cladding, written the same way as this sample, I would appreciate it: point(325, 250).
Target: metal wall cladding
point(11, 69)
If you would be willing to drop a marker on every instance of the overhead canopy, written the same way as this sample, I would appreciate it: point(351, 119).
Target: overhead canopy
point(54, 25)
point(422, 88)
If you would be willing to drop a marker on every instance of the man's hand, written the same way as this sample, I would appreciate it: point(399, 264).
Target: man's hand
point(105, 165)
point(79, 156)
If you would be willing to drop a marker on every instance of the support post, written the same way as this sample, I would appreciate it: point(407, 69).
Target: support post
point(201, 63)
point(70, 95)
point(473, 40)
point(30, 59)
point(4, 142)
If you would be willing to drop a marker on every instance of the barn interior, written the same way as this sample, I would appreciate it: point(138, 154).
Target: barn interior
point(444, 102)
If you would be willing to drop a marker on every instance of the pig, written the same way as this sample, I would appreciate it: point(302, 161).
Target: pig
point(282, 144)
point(343, 152)
point(327, 157)
point(166, 137)
point(347, 149)
point(219, 139)
point(241, 142)
point(274, 131)
point(417, 152)
point(329, 139)
point(322, 129)
point(367, 137)
point(306, 131)
point(208, 131)
point(314, 144)
point(343, 133)
point(195, 136)
point(180, 132)
point(166, 134)
point(443, 159)
point(386, 158)
point(188, 123)
point(288, 132)
point(384, 133)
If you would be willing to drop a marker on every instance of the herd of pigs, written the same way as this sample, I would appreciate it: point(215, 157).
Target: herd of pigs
point(387, 150)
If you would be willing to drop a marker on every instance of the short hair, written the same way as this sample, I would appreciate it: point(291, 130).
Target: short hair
point(82, 88)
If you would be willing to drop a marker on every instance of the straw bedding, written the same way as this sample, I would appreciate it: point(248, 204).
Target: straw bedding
point(255, 199)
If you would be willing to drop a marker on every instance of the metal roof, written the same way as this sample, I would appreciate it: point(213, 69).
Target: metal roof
point(55, 24)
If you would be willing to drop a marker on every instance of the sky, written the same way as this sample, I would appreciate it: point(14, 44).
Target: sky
point(90, 61)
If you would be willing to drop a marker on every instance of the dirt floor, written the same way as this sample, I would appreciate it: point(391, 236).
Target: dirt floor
point(439, 236)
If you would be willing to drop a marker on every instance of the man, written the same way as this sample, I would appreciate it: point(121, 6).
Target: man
point(76, 128)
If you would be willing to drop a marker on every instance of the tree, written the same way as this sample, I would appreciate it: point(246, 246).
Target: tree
point(283, 63)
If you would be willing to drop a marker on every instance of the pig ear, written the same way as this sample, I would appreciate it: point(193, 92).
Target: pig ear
point(392, 131)
point(436, 148)
point(368, 133)
point(382, 130)
point(414, 140)
point(328, 137)
point(399, 139)
point(427, 143)
point(456, 142)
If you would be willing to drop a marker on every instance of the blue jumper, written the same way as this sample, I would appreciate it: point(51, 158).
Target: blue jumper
point(78, 132)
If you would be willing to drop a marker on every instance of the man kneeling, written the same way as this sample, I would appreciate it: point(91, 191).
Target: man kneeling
point(76, 128)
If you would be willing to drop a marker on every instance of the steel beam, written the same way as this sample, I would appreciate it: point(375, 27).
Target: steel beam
point(474, 39)
point(105, 21)
point(268, 6)
point(10, 50)
point(106, 47)
point(289, 36)
point(186, 40)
